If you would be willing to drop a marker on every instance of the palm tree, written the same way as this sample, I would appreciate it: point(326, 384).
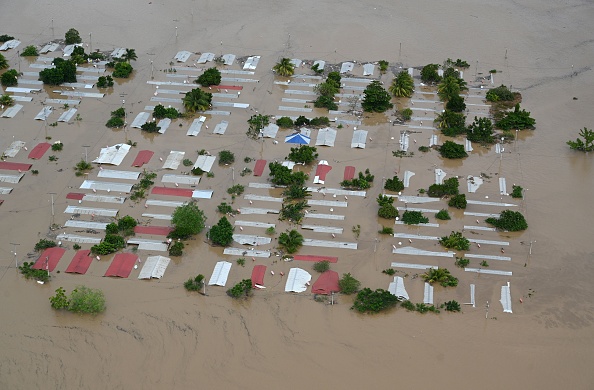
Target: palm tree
point(291, 241)
point(284, 67)
point(4, 63)
point(130, 55)
point(448, 88)
point(402, 85)
point(197, 100)
point(6, 100)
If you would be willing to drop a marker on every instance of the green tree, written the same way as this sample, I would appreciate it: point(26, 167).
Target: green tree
point(122, 70)
point(284, 122)
point(585, 145)
point(115, 122)
point(325, 101)
point(394, 184)
point(429, 73)
point(449, 187)
point(72, 37)
point(241, 289)
point(105, 81)
point(284, 67)
point(226, 157)
point(443, 215)
point(194, 284)
point(293, 212)
point(303, 154)
point(283, 176)
point(451, 123)
point(348, 284)
point(501, 93)
point(516, 119)
point(511, 221)
point(296, 191)
point(371, 301)
point(221, 233)
point(29, 51)
point(197, 100)
point(456, 103)
point(447, 88)
point(52, 76)
point(327, 88)
point(441, 276)
point(161, 112)
point(177, 249)
point(127, 223)
point(291, 241)
point(321, 266)
point(187, 220)
point(403, 85)
point(414, 217)
point(376, 98)
point(9, 78)
point(455, 240)
point(301, 121)
point(211, 76)
point(60, 300)
point(150, 127)
point(481, 130)
point(6, 100)
point(130, 55)
point(3, 63)
point(458, 201)
point(86, 300)
point(452, 150)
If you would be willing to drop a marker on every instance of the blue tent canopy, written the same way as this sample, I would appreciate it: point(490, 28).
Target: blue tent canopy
point(297, 138)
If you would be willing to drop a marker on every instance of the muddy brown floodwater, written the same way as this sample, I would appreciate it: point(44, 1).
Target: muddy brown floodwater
point(154, 335)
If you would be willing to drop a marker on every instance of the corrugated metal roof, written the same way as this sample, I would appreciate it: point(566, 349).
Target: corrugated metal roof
point(77, 85)
point(254, 210)
point(368, 69)
point(483, 228)
point(154, 267)
point(261, 185)
point(488, 242)
point(41, 66)
point(245, 252)
point(506, 298)
point(182, 56)
point(91, 211)
point(472, 300)
point(68, 49)
point(325, 216)
point(397, 289)
point(79, 239)
point(113, 174)
point(205, 57)
point(488, 215)
point(413, 266)
point(299, 92)
point(106, 186)
point(359, 139)
point(297, 280)
point(298, 109)
point(270, 131)
point(330, 244)
point(440, 174)
point(416, 199)
point(180, 179)
point(418, 224)
point(14, 148)
point(502, 185)
point(164, 203)
point(161, 99)
point(247, 239)
point(113, 155)
point(428, 294)
point(44, 113)
point(409, 250)
point(164, 124)
point(11, 178)
point(217, 112)
point(488, 271)
point(85, 224)
point(149, 245)
point(174, 159)
point(415, 236)
point(221, 128)
point(346, 67)
point(164, 217)
point(205, 162)
point(489, 257)
point(320, 63)
point(255, 224)
point(104, 198)
point(29, 82)
point(70, 102)
point(118, 52)
point(5, 190)
point(338, 191)
point(202, 194)
point(322, 229)
point(263, 198)
point(251, 63)
point(422, 210)
point(296, 62)
point(330, 203)
point(326, 137)
point(500, 204)
point(13, 43)
point(196, 126)
point(404, 137)
point(17, 98)
point(228, 59)
point(10, 112)
point(220, 274)
point(67, 115)
point(52, 46)
point(140, 120)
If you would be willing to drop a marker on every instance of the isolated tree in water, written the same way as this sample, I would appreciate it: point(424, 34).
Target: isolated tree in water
point(284, 67)
point(376, 98)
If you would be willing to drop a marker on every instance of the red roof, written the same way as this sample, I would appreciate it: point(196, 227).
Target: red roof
point(143, 157)
point(259, 168)
point(75, 195)
point(38, 151)
point(315, 258)
point(122, 265)
point(322, 171)
point(233, 87)
point(349, 173)
point(326, 283)
point(80, 262)
point(258, 275)
point(172, 191)
point(156, 230)
point(12, 166)
point(49, 258)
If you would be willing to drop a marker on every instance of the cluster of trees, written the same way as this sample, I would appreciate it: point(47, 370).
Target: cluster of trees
point(29, 51)
point(117, 118)
point(257, 123)
point(394, 184)
point(114, 236)
point(361, 182)
point(376, 98)
point(64, 71)
point(286, 122)
point(304, 154)
point(511, 221)
point(150, 127)
point(449, 187)
point(221, 233)
point(81, 300)
point(9, 78)
point(414, 217)
point(516, 119)
point(452, 150)
point(105, 81)
point(290, 241)
point(327, 90)
point(386, 207)
point(456, 241)
point(161, 112)
point(441, 276)
point(283, 176)
point(187, 221)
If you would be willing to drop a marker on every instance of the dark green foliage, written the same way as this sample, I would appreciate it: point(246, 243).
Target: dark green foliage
point(115, 240)
point(461, 63)
point(194, 284)
point(29, 273)
point(456, 241)
point(511, 221)
point(72, 36)
point(241, 261)
point(283, 176)
point(211, 76)
point(29, 51)
point(462, 262)
point(44, 244)
point(501, 93)
point(456, 103)
point(384, 200)
point(452, 150)
point(424, 308)
point(225, 208)
point(226, 157)
point(587, 145)
point(414, 218)
point(122, 70)
point(6, 100)
point(389, 271)
point(458, 201)
point(387, 212)
point(368, 301)
point(321, 266)
point(3, 63)
point(81, 167)
point(296, 191)
point(441, 276)
point(104, 248)
point(293, 212)
point(481, 130)
point(408, 305)
point(105, 81)
point(376, 98)
point(303, 154)
point(76, 247)
point(284, 67)
point(284, 122)
point(451, 306)
point(57, 147)
point(130, 55)
point(187, 221)
point(449, 187)
point(348, 284)
point(320, 121)
point(187, 162)
point(6, 38)
point(516, 119)
point(334, 77)
point(52, 76)
point(86, 300)
point(78, 55)
point(484, 263)
point(291, 241)
point(394, 184)
point(316, 68)
point(402, 153)
point(451, 123)
point(237, 190)
point(301, 121)
point(424, 149)
point(257, 123)
point(114, 122)
point(443, 215)
point(327, 88)
point(241, 289)
point(126, 223)
point(325, 101)
point(161, 112)
point(406, 114)
point(150, 127)
point(362, 182)
point(517, 192)
point(221, 233)
point(177, 249)
point(119, 113)
point(60, 300)
point(383, 65)
point(97, 56)
point(64, 72)
point(112, 228)
point(386, 230)
point(197, 171)
point(403, 85)
point(429, 74)
point(448, 88)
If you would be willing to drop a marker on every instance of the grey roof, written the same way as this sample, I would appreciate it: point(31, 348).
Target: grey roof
point(224, 95)
point(488, 242)
point(251, 63)
point(404, 137)
point(221, 127)
point(469, 201)
point(397, 289)
point(11, 178)
point(202, 194)
point(299, 92)
point(502, 185)
point(44, 113)
point(41, 66)
point(79, 239)
point(52, 46)
point(263, 198)
point(325, 216)
point(337, 191)
point(5, 190)
point(422, 210)
point(261, 185)
point(149, 245)
point(323, 229)
point(255, 224)
point(68, 49)
point(415, 236)
point(29, 82)
point(235, 71)
point(296, 62)
point(113, 155)
point(326, 137)
point(483, 228)
point(330, 203)
point(359, 139)
point(416, 199)
point(17, 98)
point(321, 64)
point(205, 57)
point(174, 159)
point(254, 210)
point(217, 112)
point(82, 94)
point(10, 112)
point(85, 224)
point(67, 115)
point(106, 186)
point(368, 69)
point(196, 126)
point(407, 177)
point(118, 52)
point(91, 211)
point(488, 271)
point(346, 67)
point(10, 44)
point(163, 203)
point(419, 224)
point(14, 148)
point(229, 59)
point(246, 252)
point(413, 266)
point(182, 56)
point(239, 80)
point(330, 244)
point(181, 179)
point(409, 250)
point(154, 267)
point(115, 174)
point(164, 124)
point(205, 162)
point(230, 104)
point(247, 239)
point(270, 131)
point(220, 274)
point(489, 257)
point(467, 146)
point(71, 102)
point(104, 198)
point(78, 85)
point(488, 215)
point(298, 109)
point(356, 80)
point(140, 120)
point(428, 294)
point(164, 217)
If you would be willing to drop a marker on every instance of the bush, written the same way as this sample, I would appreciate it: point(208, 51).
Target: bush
point(86, 300)
point(451, 123)
point(226, 157)
point(161, 112)
point(150, 127)
point(270, 231)
point(44, 244)
point(177, 249)
point(29, 51)
point(243, 288)
point(194, 284)
point(429, 74)
point(414, 218)
point(221, 233)
point(105, 81)
point(441, 276)
point(115, 122)
point(394, 184)
point(29, 273)
point(376, 98)
point(112, 228)
point(388, 212)
point(449, 187)
point(516, 119)
point(76, 247)
point(386, 230)
point(284, 122)
point(374, 301)
point(6, 38)
point(481, 130)
point(584, 144)
point(301, 121)
point(187, 220)
point(511, 221)
point(60, 300)
point(257, 122)
point(283, 176)
point(348, 284)
point(303, 154)
point(517, 192)
point(408, 305)
point(484, 263)
point(211, 76)
point(455, 240)
point(119, 113)
point(293, 212)
point(458, 201)
point(452, 150)
point(197, 171)
point(501, 93)
point(241, 261)
point(291, 241)
point(406, 114)
point(462, 262)
point(321, 266)
point(389, 271)
point(72, 37)
point(451, 306)
point(225, 208)
point(237, 190)
point(456, 104)
point(127, 223)
point(122, 70)
point(296, 191)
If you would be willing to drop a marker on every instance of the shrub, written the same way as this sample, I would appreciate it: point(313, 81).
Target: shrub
point(462, 262)
point(585, 145)
point(243, 288)
point(57, 146)
point(187, 220)
point(86, 300)
point(291, 241)
point(383, 65)
point(376, 98)
point(484, 263)
point(451, 306)
point(481, 130)
point(60, 300)
point(187, 162)
point(270, 231)
point(452, 150)
point(76, 247)
point(115, 122)
point(516, 119)
point(105, 81)
point(6, 100)
point(6, 38)
point(301, 121)
point(119, 113)
point(389, 271)
point(127, 223)
point(221, 233)
point(386, 230)
point(177, 249)
point(303, 154)
point(237, 190)
point(241, 261)
point(197, 171)
point(44, 244)
point(9, 78)
point(429, 73)
point(517, 192)
point(194, 284)
point(455, 240)
point(424, 308)
point(296, 191)
point(225, 208)
point(81, 167)
point(374, 301)
point(150, 127)
point(348, 284)
point(424, 149)
point(122, 70)
point(284, 122)
point(112, 228)
point(29, 273)
point(211, 76)
point(501, 93)
point(388, 212)
point(414, 217)
point(394, 184)
point(441, 276)
point(321, 266)
point(449, 187)
point(458, 201)
point(161, 112)
point(511, 221)
point(226, 157)
point(408, 305)
point(406, 114)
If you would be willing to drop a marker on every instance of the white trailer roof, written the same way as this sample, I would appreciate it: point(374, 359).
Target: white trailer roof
point(320, 63)
point(255, 224)
point(245, 252)
point(149, 245)
point(10, 112)
point(181, 179)
point(118, 52)
point(330, 244)
point(22, 90)
point(323, 229)
point(221, 128)
point(296, 62)
point(368, 69)
point(346, 67)
point(409, 250)
point(85, 224)
point(14, 148)
point(174, 159)
point(164, 217)
point(71, 102)
point(413, 266)
point(488, 257)
point(79, 239)
point(254, 210)
point(68, 49)
point(164, 125)
point(488, 271)
point(82, 94)
point(247, 239)
point(202, 194)
point(297, 280)
point(163, 203)
point(205, 57)
point(262, 185)
point(329, 203)
point(220, 274)
point(326, 137)
point(154, 267)
point(182, 56)
point(91, 211)
point(196, 126)
point(11, 178)
point(397, 289)
point(335, 217)
point(17, 98)
point(359, 139)
point(140, 120)
point(52, 46)
point(251, 63)
point(30, 82)
point(10, 44)
point(113, 155)
point(114, 174)
point(229, 59)
point(440, 174)
point(428, 294)
point(67, 115)
point(263, 198)
point(205, 162)
point(44, 113)
point(506, 299)
point(104, 198)
point(6, 191)
point(106, 186)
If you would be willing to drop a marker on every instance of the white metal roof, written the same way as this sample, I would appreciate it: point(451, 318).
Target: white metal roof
point(263, 198)
point(114, 174)
point(82, 94)
point(106, 186)
point(44, 113)
point(205, 57)
point(181, 179)
point(506, 299)
point(247, 239)
point(79, 239)
point(164, 125)
point(260, 185)
point(245, 252)
point(323, 229)
point(52, 46)
point(221, 128)
point(103, 198)
point(113, 155)
point(409, 250)
point(154, 267)
point(297, 280)
point(296, 62)
point(325, 216)
point(229, 59)
point(85, 224)
point(6, 191)
point(397, 288)
point(413, 266)
point(68, 49)
point(10, 112)
point(140, 120)
point(502, 185)
point(330, 203)
point(472, 300)
point(251, 63)
point(428, 294)
point(205, 162)
point(489, 257)
point(488, 271)
point(220, 274)
point(91, 211)
point(149, 245)
point(321, 64)
point(368, 69)
point(67, 115)
point(163, 203)
point(359, 139)
point(440, 174)
point(346, 67)
point(164, 217)
point(202, 194)
point(338, 191)
point(11, 178)
point(182, 56)
point(10, 44)
point(17, 98)
point(288, 164)
point(30, 82)
point(77, 85)
point(255, 224)
point(14, 148)
point(326, 137)
point(174, 159)
point(329, 244)
point(254, 210)
point(118, 52)
point(71, 102)
point(196, 126)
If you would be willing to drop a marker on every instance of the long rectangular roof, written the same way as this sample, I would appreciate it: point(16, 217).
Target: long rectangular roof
point(79, 239)
point(10, 112)
point(205, 57)
point(164, 217)
point(506, 299)
point(330, 244)
point(67, 115)
point(91, 211)
point(181, 179)
point(115, 174)
point(205, 162)
point(428, 294)
point(251, 63)
point(103, 198)
point(359, 139)
point(80, 262)
point(150, 245)
point(196, 126)
point(164, 125)
point(86, 224)
point(326, 137)
point(221, 127)
point(220, 274)
point(11, 178)
point(245, 252)
point(140, 120)
point(113, 155)
point(247, 239)
point(174, 159)
point(154, 267)
point(44, 113)
point(121, 265)
point(106, 186)
point(13, 43)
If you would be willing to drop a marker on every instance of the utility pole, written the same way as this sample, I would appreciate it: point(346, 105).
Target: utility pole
point(152, 70)
point(125, 120)
point(86, 152)
point(90, 43)
point(52, 194)
point(14, 245)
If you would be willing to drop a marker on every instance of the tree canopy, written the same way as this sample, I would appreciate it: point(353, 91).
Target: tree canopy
point(284, 67)
point(376, 98)
point(303, 154)
point(197, 100)
point(283, 176)
point(511, 221)
point(403, 85)
point(452, 150)
point(9, 78)
point(187, 220)
point(516, 119)
point(222, 232)
point(429, 73)
point(122, 70)
point(587, 145)
point(481, 130)
point(291, 241)
point(451, 123)
point(3, 62)
point(211, 76)
point(72, 36)
point(371, 301)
